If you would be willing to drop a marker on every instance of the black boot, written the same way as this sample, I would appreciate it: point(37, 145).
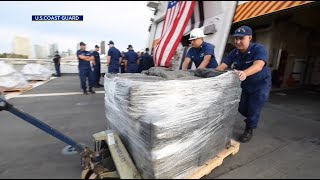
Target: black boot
point(92, 91)
point(97, 86)
point(247, 135)
point(85, 92)
point(100, 85)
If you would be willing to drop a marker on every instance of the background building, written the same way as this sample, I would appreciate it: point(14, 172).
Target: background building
point(41, 52)
point(22, 45)
point(52, 49)
point(103, 47)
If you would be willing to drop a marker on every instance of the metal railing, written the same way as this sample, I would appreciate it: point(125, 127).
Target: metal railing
point(67, 65)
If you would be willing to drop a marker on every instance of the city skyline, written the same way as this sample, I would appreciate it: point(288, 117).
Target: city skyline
point(122, 22)
point(45, 51)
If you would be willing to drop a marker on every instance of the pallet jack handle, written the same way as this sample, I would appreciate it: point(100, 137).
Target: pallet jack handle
point(6, 106)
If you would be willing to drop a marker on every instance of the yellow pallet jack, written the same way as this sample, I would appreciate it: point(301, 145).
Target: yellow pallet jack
point(109, 160)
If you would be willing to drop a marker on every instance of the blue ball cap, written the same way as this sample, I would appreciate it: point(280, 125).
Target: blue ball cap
point(111, 42)
point(243, 31)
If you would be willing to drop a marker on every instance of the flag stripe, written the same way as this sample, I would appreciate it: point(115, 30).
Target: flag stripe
point(163, 27)
point(170, 40)
point(167, 20)
point(179, 37)
point(158, 53)
point(176, 20)
point(162, 42)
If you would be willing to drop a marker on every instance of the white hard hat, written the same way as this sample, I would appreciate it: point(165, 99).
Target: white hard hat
point(196, 33)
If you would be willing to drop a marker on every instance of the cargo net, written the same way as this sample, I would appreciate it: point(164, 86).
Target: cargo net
point(172, 122)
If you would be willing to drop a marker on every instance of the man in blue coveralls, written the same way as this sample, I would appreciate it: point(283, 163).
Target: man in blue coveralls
point(56, 60)
point(131, 60)
point(146, 61)
point(201, 53)
point(97, 67)
point(113, 58)
point(86, 62)
point(250, 63)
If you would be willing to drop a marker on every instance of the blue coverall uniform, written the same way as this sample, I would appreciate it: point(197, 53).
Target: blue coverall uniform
point(146, 62)
point(132, 58)
point(197, 55)
point(115, 55)
point(85, 70)
point(255, 88)
point(97, 67)
point(56, 61)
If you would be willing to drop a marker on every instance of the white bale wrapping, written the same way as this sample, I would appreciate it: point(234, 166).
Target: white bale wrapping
point(36, 72)
point(10, 78)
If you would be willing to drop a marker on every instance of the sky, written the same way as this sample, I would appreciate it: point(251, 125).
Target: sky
point(123, 22)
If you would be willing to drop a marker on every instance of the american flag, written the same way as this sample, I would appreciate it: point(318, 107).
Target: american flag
point(176, 20)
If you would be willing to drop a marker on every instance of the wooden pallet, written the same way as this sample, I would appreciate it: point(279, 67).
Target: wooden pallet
point(215, 162)
point(20, 90)
point(38, 80)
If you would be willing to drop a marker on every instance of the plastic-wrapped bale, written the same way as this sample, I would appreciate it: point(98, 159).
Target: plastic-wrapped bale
point(10, 78)
point(36, 72)
point(171, 127)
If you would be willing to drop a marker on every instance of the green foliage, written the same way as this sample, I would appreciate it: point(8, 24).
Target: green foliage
point(6, 55)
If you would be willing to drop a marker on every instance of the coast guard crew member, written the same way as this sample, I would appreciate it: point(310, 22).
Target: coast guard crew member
point(113, 58)
point(131, 58)
point(201, 53)
point(97, 67)
point(146, 61)
point(250, 63)
point(85, 69)
point(56, 60)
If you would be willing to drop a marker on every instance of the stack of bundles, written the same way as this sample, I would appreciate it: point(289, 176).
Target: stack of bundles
point(171, 127)
point(169, 74)
point(10, 78)
point(36, 72)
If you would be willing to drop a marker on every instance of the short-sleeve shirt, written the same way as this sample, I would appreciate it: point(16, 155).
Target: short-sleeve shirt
point(83, 63)
point(146, 61)
point(56, 59)
point(115, 55)
point(96, 56)
point(197, 55)
point(242, 61)
point(132, 57)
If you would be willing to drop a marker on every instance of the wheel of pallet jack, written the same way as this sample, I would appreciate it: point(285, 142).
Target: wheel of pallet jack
point(94, 176)
point(109, 175)
point(86, 173)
